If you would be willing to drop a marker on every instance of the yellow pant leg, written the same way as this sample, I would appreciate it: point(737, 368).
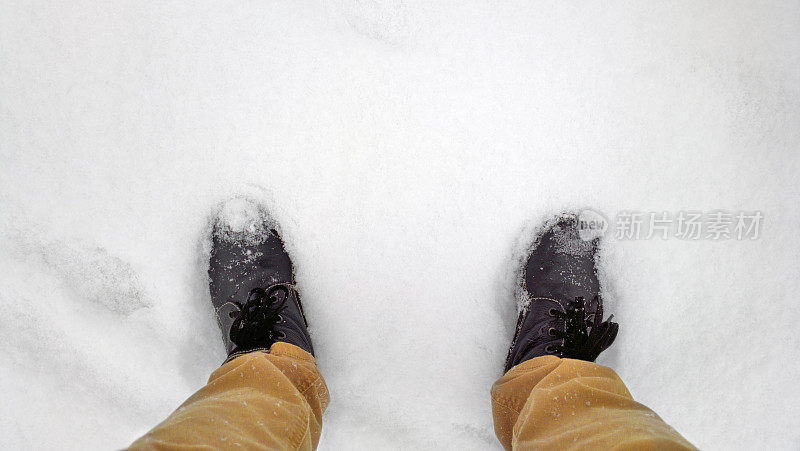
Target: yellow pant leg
point(553, 403)
point(259, 400)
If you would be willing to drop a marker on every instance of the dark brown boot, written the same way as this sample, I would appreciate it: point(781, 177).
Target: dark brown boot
point(564, 316)
point(252, 282)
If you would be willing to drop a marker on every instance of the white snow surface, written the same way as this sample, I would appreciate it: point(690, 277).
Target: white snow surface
point(404, 147)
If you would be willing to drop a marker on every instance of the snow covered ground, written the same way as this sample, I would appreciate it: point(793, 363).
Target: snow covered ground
point(405, 147)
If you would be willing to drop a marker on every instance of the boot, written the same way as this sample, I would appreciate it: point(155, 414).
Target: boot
point(564, 316)
point(252, 282)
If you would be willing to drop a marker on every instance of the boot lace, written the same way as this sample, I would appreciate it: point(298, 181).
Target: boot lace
point(254, 322)
point(583, 340)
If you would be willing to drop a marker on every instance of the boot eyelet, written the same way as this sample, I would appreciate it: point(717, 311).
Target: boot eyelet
point(280, 318)
point(281, 335)
point(552, 311)
point(542, 331)
point(551, 332)
point(550, 349)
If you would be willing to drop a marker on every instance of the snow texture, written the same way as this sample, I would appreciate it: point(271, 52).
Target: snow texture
point(407, 150)
point(243, 220)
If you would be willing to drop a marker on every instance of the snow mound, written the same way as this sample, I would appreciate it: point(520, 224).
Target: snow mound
point(243, 219)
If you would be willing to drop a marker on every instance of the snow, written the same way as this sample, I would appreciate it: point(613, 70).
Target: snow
point(404, 148)
point(241, 220)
